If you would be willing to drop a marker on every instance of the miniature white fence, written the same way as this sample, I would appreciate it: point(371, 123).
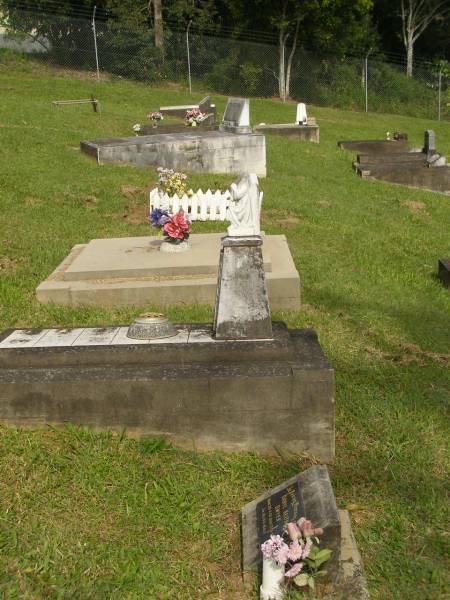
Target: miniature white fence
point(200, 206)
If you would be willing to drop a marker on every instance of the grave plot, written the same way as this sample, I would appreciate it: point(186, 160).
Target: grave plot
point(179, 111)
point(121, 271)
point(304, 128)
point(385, 161)
point(232, 149)
point(142, 270)
point(242, 383)
point(308, 499)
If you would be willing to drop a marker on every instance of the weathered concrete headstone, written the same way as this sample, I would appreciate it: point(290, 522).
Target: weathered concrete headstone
point(242, 305)
point(236, 118)
point(444, 271)
point(429, 142)
point(308, 494)
point(205, 104)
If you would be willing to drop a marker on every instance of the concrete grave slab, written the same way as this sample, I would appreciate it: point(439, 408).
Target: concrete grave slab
point(122, 271)
point(309, 133)
point(375, 146)
point(304, 127)
point(195, 149)
point(224, 394)
point(384, 161)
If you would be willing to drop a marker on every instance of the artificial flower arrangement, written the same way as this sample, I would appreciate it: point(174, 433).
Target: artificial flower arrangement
point(194, 117)
point(137, 128)
point(155, 117)
point(171, 182)
point(176, 227)
point(300, 558)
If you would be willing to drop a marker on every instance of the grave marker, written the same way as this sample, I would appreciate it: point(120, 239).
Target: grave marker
point(279, 509)
point(236, 118)
point(301, 117)
point(429, 142)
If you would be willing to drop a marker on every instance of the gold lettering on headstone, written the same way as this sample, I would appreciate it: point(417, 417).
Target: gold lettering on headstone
point(269, 509)
point(264, 521)
point(277, 513)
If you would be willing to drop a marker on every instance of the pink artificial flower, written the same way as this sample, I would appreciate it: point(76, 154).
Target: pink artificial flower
point(307, 549)
point(307, 529)
point(283, 554)
point(294, 531)
point(295, 551)
point(177, 227)
point(294, 570)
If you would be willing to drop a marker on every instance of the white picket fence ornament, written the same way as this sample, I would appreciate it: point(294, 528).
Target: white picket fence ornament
point(199, 206)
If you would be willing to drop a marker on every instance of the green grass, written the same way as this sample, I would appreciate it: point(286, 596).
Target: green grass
point(86, 515)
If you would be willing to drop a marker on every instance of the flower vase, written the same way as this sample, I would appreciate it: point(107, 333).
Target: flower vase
point(171, 247)
point(272, 580)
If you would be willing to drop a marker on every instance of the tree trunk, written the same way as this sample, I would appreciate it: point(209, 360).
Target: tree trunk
point(287, 86)
point(281, 71)
point(409, 55)
point(158, 20)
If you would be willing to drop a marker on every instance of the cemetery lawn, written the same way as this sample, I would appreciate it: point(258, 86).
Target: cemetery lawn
point(86, 515)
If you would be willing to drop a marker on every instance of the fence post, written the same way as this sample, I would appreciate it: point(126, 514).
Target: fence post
point(439, 94)
point(366, 70)
point(95, 42)
point(188, 56)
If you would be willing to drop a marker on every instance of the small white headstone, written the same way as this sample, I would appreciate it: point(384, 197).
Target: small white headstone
point(302, 117)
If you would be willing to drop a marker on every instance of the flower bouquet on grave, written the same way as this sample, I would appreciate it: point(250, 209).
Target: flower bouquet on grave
point(155, 117)
point(194, 117)
point(292, 559)
point(137, 128)
point(171, 182)
point(175, 227)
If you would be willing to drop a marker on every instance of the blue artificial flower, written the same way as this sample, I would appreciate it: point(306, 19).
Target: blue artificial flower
point(159, 217)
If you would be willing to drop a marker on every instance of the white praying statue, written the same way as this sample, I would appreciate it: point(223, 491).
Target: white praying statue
point(301, 117)
point(245, 206)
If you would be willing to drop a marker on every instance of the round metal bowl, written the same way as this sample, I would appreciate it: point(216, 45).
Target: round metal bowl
point(151, 326)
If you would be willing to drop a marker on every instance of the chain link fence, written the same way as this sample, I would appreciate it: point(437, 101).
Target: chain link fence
point(227, 65)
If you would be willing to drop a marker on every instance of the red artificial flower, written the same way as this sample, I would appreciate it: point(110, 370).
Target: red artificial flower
point(177, 227)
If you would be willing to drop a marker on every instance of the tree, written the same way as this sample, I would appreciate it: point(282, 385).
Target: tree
point(417, 15)
point(287, 27)
point(158, 21)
